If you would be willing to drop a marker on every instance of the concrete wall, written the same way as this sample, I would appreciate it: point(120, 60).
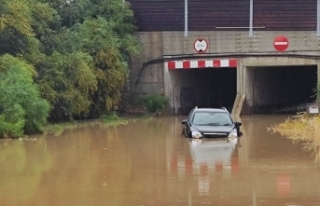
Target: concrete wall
point(237, 41)
point(152, 80)
point(155, 78)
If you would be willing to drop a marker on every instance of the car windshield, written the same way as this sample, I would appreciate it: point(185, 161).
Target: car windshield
point(212, 118)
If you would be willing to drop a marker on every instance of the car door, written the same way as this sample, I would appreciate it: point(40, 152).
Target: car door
point(188, 125)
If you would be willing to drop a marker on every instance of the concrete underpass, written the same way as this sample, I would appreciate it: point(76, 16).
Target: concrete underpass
point(284, 89)
point(210, 87)
point(270, 84)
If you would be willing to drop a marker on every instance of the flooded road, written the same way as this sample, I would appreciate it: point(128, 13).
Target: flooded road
point(149, 162)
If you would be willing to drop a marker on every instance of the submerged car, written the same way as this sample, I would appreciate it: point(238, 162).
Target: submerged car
point(210, 122)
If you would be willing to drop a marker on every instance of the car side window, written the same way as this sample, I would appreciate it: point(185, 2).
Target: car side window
point(189, 116)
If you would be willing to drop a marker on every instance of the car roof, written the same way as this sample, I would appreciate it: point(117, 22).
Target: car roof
point(211, 110)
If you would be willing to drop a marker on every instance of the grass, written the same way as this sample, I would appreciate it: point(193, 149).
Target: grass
point(113, 119)
point(303, 128)
point(107, 120)
point(57, 129)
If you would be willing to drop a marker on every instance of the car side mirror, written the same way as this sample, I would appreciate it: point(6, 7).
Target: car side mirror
point(238, 124)
point(184, 121)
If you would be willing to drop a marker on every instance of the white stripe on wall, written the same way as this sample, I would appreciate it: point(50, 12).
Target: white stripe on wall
point(179, 65)
point(224, 63)
point(194, 63)
point(209, 63)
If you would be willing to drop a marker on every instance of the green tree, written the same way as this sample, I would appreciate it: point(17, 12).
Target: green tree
point(67, 81)
point(22, 108)
point(21, 21)
point(79, 50)
point(105, 32)
point(108, 35)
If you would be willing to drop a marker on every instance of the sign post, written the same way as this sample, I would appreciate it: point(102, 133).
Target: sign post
point(200, 45)
point(313, 109)
point(281, 43)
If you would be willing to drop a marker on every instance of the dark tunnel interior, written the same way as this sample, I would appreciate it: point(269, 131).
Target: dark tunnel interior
point(269, 90)
point(274, 90)
point(210, 87)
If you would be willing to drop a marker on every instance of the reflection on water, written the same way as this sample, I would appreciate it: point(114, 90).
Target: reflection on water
point(212, 156)
point(149, 162)
point(212, 151)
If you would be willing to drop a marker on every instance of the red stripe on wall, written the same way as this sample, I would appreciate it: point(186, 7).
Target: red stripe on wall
point(201, 64)
point(233, 63)
point(186, 64)
point(216, 63)
point(171, 65)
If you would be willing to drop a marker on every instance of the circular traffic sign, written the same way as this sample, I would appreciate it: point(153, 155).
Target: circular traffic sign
point(200, 45)
point(281, 43)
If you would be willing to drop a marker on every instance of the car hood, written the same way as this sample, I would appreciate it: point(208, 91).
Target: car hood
point(208, 128)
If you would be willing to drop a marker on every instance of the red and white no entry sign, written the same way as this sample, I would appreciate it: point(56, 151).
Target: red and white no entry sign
point(200, 45)
point(281, 43)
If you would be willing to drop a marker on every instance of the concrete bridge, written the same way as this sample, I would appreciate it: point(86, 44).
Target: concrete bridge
point(243, 58)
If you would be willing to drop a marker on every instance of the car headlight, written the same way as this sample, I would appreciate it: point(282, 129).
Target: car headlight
point(196, 134)
point(233, 134)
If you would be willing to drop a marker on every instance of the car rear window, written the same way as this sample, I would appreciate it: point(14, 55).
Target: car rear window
point(212, 118)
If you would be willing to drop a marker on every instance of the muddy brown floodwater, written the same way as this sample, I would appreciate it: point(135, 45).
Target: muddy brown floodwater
point(148, 162)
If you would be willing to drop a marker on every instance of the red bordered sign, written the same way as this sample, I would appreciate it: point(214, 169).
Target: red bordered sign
point(281, 43)
point(201, 45)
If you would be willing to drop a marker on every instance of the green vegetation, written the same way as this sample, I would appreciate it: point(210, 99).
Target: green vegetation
point(22, 109)
point(62, 61)
point(155, 104)
point(303, 128)
point(113, 119)
point(144, 105)
point(106, 120)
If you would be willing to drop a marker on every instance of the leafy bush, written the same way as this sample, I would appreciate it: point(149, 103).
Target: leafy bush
point(111, 117)
point(22, 109)
point(67, 81)
point(155, 104)
point(12, 122)
point(303, 128)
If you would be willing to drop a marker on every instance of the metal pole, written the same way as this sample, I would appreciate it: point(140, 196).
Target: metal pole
point(185, 18)
point(251, 18)
point(318, 17)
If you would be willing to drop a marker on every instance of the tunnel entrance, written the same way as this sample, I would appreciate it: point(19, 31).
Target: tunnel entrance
point(204, 87)
point(275, 90)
